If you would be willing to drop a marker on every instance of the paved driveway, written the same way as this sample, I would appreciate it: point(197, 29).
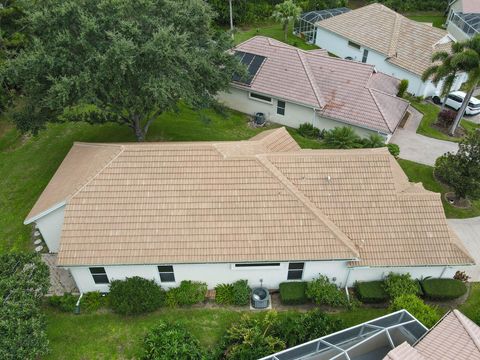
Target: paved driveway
point(468, 230)
point(419, 148)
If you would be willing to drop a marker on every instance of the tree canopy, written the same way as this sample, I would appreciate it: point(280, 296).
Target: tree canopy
point(462, 170)
point(119, 61)
point(286, 12)
point(23, 282)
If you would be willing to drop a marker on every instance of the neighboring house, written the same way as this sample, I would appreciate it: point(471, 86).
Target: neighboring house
point(463, 20)
point(396, 45)
point(292, 86)
point(396, 336)
point(454, 337)
point(256, 209)
point(305, 26)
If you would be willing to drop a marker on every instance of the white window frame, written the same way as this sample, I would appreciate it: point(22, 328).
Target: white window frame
point(260, 100)
point(279, 107)
point(256, 267)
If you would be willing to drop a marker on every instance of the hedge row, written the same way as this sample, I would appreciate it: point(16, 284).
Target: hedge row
point(293, 293)
point(371, 292)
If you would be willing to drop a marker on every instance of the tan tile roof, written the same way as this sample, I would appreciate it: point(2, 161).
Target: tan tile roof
point(454, 337)
point(408, 44)
point(404, 352)
point(258, 200)
point(340, 89)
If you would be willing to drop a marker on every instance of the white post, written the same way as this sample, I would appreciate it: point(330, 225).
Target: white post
point(231, 17)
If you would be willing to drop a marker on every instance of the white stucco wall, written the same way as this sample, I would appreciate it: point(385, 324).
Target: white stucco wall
point(214, 274)
point(338, 45)
point(50, 226)
point(295, 114)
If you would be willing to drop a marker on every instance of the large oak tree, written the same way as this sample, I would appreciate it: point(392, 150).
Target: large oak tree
point(123, 61)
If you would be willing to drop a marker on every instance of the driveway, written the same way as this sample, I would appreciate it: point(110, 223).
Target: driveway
point(468, 230)
point(419, 148)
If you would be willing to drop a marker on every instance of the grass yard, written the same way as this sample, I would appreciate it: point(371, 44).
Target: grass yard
point(471, 307)
point(430, 113)
point(436, 19)
point(424, 174)
point(273, 30)
point(108, 336)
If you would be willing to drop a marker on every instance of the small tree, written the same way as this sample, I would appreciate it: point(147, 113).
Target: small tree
point(461, 171)
point(402, 88)
point(286, 12)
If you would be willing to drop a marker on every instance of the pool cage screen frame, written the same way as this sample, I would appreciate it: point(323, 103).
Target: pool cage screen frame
point(305, 25)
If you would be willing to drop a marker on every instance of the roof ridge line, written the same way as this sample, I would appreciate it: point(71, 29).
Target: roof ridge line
point(122, 149)
point(313, 209)
point(378, 107)
point(466, 326)
point(396, 34)
point(316, 91)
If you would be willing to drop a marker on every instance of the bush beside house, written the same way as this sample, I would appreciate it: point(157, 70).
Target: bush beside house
point(427, 315)
point(443, 289)
point(237, 293)
point(371, 292)
point(188, 293)
point(293, 293)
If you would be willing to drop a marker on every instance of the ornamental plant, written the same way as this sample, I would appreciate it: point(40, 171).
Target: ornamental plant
point(322, 292)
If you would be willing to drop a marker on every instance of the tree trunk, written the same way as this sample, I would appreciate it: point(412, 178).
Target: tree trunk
point(461, 111)
point(285, 30)
point(137, 128)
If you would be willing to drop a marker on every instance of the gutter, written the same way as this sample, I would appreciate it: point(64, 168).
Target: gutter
point(43, 213)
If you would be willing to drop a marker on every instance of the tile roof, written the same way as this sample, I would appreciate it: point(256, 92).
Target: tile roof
point(454, 337)
point(406, 43)
point(257, 200)
point(344, 90)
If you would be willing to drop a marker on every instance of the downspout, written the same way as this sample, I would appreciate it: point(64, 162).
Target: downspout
point(346, 284)
point(443, 271)
point(77, 305)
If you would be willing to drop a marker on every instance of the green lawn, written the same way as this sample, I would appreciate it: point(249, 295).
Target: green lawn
point(273, 30)
point(424, 174)
point(430, 113)
point(107, 336)
point(435, 19)
point(471, 307)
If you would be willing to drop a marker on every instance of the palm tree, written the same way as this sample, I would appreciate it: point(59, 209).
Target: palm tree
point(285, 12)
point(467, 60)
point(444, 71)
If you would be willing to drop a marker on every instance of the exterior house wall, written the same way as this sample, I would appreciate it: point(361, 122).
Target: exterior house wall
point(338, 45)
point(50, 227)
point(295, 114)
point(214, 274)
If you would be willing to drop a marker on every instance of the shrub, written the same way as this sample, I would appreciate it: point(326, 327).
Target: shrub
point(188, 293)
point(295, 328)
point(402, 88)
point(427, 315)
point(371, 292)
point(92, 301)
point(401, 284)
point(224, 294)
point(342, 138)
point(394, 149)
point(321, 291)
point(443, 289)
point(309, 131)
point(293, 293)
point(65, 303)
point(135, 295)
point(373, 141)
point(170, 341)
point(461, 275)
point(241, 292)
point(446, 117)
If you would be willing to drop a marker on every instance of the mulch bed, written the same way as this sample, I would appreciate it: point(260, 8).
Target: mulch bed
point(453, 200)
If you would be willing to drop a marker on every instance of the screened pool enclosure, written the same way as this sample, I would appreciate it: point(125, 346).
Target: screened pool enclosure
point(371, 340)
point(305, 25)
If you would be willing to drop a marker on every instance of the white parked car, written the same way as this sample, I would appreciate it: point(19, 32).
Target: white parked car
point(455, 100)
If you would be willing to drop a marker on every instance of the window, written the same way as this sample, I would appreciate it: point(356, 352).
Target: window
point(256, 264)
point(355, 45)
point(280, 107)
point(166, 273)
point(295, 271)
point(365, 56)
point(455, 98)
point(260, 97)
point(99, 275)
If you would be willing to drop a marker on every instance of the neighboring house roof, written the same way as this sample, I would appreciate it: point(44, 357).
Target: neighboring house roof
point(453, 337)
point(344, 90)
point(257, 200)
point(406, 43)
point(470, 6)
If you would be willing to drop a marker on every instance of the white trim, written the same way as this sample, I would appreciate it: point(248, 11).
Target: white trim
point(45, 212)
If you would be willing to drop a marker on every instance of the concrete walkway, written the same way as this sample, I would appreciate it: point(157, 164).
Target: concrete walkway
point(419, 148)
point(468, 230)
